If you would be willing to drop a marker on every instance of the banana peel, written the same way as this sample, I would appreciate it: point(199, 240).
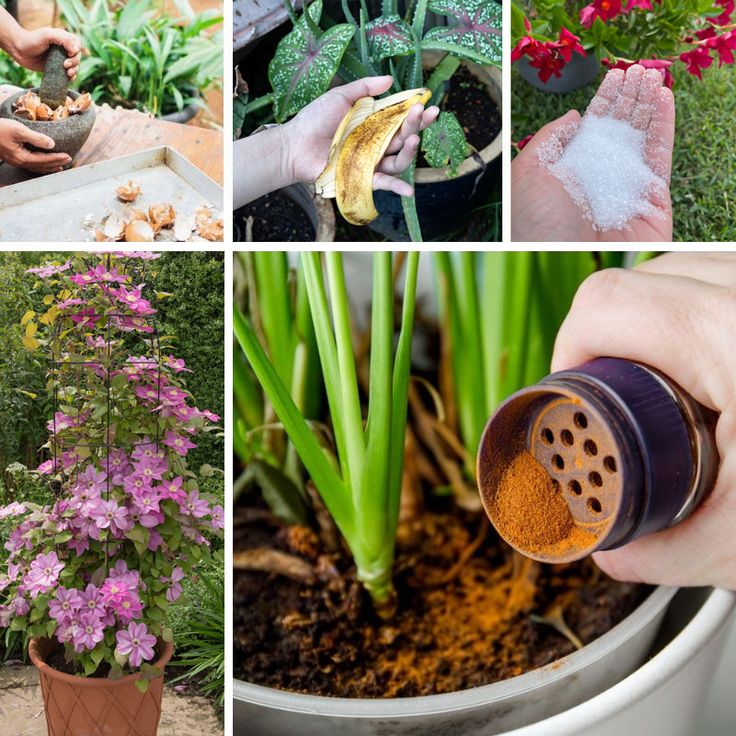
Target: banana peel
point(358, 146)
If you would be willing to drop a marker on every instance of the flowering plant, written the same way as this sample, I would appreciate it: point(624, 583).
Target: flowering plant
point(658, 34)
point(99, 567)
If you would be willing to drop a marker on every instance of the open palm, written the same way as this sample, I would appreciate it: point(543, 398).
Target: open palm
point(543, 210)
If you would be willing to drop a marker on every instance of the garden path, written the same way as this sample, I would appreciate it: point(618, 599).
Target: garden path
point(21, 708)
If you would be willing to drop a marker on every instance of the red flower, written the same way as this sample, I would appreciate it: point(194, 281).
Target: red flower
point(725, 44)
point(526, 46)
point(548, 62)
point(568, 44)
point(603, 9)
point(643, 4)
point(524, 141)
point(725, 17)
point(697, 59)
point(663, 65)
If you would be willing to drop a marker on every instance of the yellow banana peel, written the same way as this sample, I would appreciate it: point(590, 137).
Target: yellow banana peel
point(358, 146)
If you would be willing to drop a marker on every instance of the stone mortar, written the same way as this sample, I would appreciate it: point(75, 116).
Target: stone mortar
point(69, 134)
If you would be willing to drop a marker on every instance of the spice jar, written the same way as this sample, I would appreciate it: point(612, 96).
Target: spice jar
point(594, 457)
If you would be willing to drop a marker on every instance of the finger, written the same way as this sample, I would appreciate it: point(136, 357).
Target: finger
point(549, 143)
point(713, 268)
point(623, 107)
point(366, 87)
point(392, 184)
point(429, 116)
point(62, 38)
point(607, 93)
point(642, 114)
point(666, 558)
point(398, 164)
point(27, 159)
point(409, 127)
point(26, 135)
point(660, 136)
point(672, 323)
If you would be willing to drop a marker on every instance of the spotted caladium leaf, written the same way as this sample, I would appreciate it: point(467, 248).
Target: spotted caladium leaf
point(444, 142)
point(305, 62)
point(389, 36)
point(474, 30)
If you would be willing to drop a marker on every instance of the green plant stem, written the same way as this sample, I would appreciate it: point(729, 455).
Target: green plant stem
point(409, 206)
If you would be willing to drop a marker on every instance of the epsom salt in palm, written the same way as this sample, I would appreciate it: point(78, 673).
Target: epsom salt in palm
point(604, 170)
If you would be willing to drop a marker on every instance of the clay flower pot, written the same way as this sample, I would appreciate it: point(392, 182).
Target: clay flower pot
point(69, 134)
point(89, 706)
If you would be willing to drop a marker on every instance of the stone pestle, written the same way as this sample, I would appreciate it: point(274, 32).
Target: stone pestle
point(55, 82)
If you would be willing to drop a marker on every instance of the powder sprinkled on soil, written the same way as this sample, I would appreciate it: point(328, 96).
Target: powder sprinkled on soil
point(604, 169)
point(530, 513)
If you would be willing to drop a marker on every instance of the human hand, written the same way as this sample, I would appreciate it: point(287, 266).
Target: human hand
point(543, 210)
point(309, 134)
point(677, 314)
point(13, 139)
point(31, 47)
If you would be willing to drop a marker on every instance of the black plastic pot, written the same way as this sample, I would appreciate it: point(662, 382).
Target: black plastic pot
point(182, 116)
point(444, 203)
point(577, 73)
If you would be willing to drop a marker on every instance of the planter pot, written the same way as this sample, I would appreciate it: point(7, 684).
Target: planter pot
point(444, 203)
point(182, 116)
point(69, 134)
point(319, 211)
point(490, 709)
point(580, 71)
point(665, 696)
point(87, 706)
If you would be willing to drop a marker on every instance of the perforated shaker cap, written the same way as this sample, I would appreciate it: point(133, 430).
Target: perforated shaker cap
point(613, 436)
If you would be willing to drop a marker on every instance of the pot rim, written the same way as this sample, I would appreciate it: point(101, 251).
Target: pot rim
point(428, 175)
point(638, 619)
point(8, 103)
point(165, 647)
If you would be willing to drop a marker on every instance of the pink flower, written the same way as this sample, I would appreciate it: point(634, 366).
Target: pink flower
point(142, 255)
point(133, 300)
point(117, 462)
point(663, 65)
point(568, 44)
point(12, 509)
point(173, 489)
point(725, 44)
point(725, 17)
point(49, 270)
point(178, 443)
point(174, 590)
point(145, 449)
point(63, 306)
point(108, 515)
point(63, 606)
point(101, 274)
point(88, 632)
point(604, 9)
point(696, 60)
point(46, 468)
point(85, 499)
point(217, 516)
point(177, 364)
point(195, 505)
point(43, 574)
point(136, 642)
point(20, 605)
point(641, 4)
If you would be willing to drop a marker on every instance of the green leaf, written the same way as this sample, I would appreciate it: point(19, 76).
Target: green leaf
point(473, 32)
point(304, 65)
point(167, 634)
point(279, 492)
point(142, 685)
point(444, 142)
point(18, 624)
point(389, 36)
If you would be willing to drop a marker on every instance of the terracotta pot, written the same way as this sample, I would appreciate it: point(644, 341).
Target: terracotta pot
point(92, 706)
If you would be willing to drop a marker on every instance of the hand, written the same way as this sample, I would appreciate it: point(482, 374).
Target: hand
point(31, 47)
point(542, 209)
point(676, 313)
point(14, 136)
point(309, 134)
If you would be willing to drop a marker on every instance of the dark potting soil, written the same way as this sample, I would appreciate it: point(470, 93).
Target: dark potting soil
point(276, 218)
point(457, 625)
point(57, 661)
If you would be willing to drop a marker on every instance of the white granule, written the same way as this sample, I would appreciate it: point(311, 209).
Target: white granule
point(604, 170)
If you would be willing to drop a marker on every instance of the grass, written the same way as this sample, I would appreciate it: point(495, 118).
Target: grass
point(704, 166)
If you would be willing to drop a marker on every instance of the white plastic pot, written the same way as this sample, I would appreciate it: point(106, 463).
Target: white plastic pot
point(480, 711)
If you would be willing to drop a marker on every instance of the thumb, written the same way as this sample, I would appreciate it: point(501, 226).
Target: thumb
point(551, 140)
point(26, 135)
point(366, 87)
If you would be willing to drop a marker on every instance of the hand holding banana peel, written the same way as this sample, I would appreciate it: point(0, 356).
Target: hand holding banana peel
point(373, 159)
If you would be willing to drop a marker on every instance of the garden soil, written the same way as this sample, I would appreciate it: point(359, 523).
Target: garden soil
point(21, 708)
point(456, 626)
point(275, 218)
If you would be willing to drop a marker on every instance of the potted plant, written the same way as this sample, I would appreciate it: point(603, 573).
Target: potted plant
point(557, 47)
point(419, 622)
point(90, 577)
point(319, 49)
point(140, 58)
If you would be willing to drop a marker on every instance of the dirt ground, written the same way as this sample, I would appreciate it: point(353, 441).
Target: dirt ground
point(21, 708)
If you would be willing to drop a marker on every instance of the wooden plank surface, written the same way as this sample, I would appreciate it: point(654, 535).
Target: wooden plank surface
point(119, 132)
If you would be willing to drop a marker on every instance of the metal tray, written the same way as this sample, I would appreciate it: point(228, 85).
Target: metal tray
point(70, 205)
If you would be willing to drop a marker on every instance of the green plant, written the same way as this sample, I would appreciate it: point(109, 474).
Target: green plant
point(317, 49)
point(18, 76)
point(361, 486)
point(141, 59)
point(499, 314)
point(200, 632)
